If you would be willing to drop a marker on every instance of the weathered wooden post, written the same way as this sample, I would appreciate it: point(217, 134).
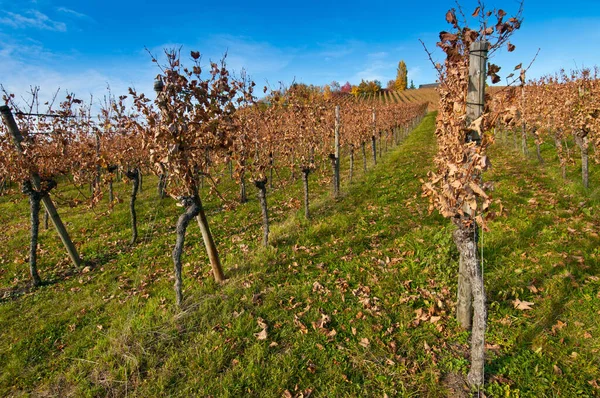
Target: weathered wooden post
point(351, 146)
point(10, 123)
point(471, 290)
point(335, 159)
point(524, 148)
point(98, 171)
point(373, 138)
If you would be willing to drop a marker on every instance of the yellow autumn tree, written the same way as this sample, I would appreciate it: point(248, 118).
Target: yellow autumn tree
point(327, 92)
point(401, 76)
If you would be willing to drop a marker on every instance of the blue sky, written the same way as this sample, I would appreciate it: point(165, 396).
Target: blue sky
point(82, 46)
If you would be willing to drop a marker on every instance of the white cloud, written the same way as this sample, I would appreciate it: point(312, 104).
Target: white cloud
point(32, 19)
point(335, 51)
point(414, 73)
point(377, 55)
point(71, 12)
point(376, 67)
point(20, 72)
point(259, 59)
point(254, 56)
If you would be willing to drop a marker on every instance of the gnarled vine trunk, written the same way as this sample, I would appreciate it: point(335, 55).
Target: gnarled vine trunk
point(134, 176)
point(559, 149)
point(271, 161)
point(305, 173)
point(261, 185)
point(34, 207)
point(111, 195)
point(538, 151)
point(524, 139)
point(162, 185)
point(351, 162)
point(374, 145)
point(464, 295)
point(335, 190)
point(465, 239)
point(192, 208)
point(243, 195)
point(35, 198)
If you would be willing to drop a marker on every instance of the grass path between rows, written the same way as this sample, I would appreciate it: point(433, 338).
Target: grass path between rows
point(358, 301)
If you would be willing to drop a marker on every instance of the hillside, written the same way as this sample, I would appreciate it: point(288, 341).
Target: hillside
point(359, 301)
point(428, 95)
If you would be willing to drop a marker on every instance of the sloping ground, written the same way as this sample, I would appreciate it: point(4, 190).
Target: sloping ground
point(420, 95)
point(357, 302)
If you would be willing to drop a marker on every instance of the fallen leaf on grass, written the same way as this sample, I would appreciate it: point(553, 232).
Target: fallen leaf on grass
point(300, 325)
point(533, 289)
point(322, 323)
point(492, 347)
point(262, 335)
point(594, 383)
point(364, 342)
point(522, 305)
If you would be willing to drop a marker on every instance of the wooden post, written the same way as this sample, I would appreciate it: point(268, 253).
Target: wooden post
point(373, 139)
point(466, 237)
point(10, 123)
point(476, 90)
point(337, 152)
point(524, 148)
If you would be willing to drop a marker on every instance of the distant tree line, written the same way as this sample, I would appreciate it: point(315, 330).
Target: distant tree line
point(365, 87)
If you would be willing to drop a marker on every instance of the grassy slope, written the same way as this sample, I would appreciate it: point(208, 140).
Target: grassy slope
point(373, 267)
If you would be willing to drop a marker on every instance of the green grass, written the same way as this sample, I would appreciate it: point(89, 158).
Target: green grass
point(359, 301)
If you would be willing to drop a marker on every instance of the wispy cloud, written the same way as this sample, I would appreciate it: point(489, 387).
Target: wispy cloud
point(414, 73)
point(332, 51)
point(254, 56)
point(32, 19)
point(75, 16)
point(71, 12)
point(258, 58)
point(376, 66)
point(377, 55)
point(28, 63)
